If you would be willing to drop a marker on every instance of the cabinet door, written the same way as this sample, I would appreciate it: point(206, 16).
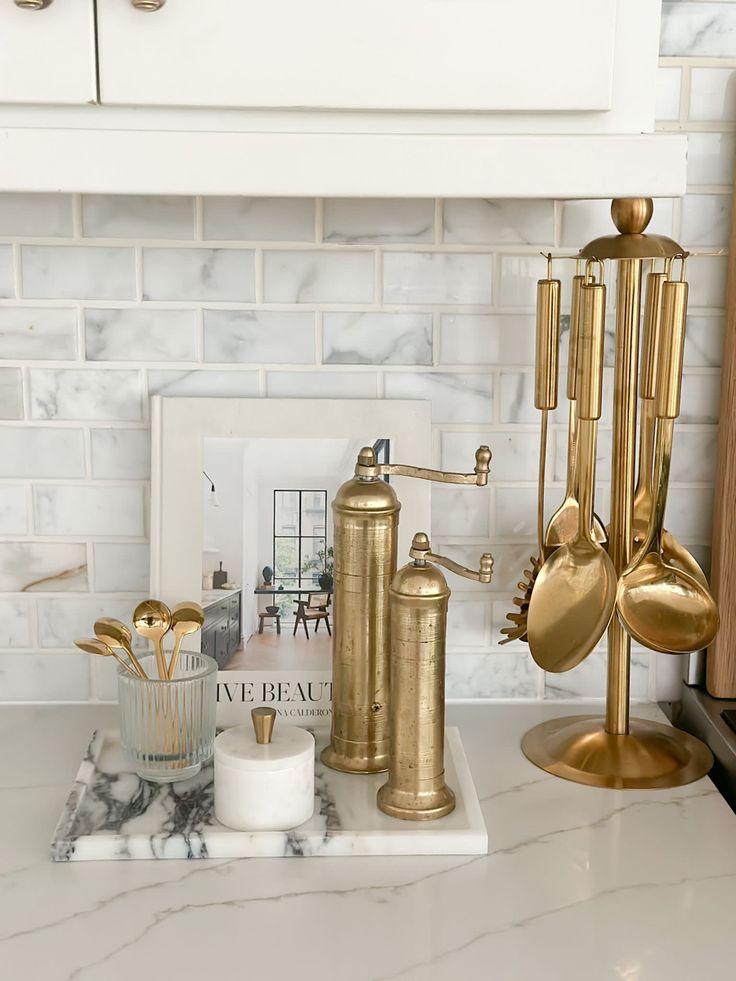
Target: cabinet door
point(48, 55)
point(222, 643)
point(208, 642)
point(365, 54)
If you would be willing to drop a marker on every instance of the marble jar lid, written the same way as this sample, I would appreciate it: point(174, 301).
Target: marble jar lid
point(289, 747)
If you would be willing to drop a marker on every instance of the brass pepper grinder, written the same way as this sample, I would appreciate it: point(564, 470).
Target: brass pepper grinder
point(366, 519)
point(416, 788)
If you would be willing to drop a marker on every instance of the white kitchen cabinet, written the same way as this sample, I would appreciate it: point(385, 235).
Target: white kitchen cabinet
point(47, 55)
point(446, 55)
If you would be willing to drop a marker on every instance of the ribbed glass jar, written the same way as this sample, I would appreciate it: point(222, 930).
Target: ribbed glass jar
point(167, 728)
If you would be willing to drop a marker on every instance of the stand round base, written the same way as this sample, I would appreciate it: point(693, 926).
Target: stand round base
point(349, 762)
point(652, 755)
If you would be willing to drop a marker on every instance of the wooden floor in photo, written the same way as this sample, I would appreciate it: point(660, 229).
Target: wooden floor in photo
point(271, 651)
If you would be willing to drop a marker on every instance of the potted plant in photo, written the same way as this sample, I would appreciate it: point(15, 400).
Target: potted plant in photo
point(324, 561)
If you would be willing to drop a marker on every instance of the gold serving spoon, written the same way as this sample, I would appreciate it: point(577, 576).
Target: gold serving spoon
point(563, 524)
point(90, 645)
point(152, 619)
point(186, 618)
point(116, 635)
point(661, 606)
point(574, 596)
point(674, 553)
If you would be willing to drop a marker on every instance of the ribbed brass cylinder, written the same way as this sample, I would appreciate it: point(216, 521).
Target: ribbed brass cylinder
point(572, 350)
point(416, 788)
point(590, 350)
point(548, 342)
point(672, 349)
point(366, 517)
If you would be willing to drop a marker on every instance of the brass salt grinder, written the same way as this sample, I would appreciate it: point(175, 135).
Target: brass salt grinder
point(416, 788)
point(366, 518)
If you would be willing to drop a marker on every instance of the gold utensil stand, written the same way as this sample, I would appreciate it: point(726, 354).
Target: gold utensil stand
point(615, 750)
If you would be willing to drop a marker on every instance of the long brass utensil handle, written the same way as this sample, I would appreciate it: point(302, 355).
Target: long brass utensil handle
point(158, 646)
point(589, 391)
point(546, 377)
point(137, 667)
point(576, 310)
point(179, 635)
point(647, 378)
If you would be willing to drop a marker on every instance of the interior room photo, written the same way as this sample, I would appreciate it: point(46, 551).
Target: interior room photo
point(367, 490)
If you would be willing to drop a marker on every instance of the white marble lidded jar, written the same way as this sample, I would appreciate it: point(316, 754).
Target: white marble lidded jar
point(264, 779)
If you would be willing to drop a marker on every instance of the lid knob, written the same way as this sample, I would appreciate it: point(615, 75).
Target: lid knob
point(263, 720)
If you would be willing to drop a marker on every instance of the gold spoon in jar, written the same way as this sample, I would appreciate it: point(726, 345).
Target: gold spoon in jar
point(575, 593)
point(90, 645)
point(186, 618)
point(115, 634)
point(674, 553)
point(152, 619)
point(661, 606)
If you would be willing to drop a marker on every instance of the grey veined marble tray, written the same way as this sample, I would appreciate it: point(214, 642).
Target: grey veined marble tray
point(112, 814)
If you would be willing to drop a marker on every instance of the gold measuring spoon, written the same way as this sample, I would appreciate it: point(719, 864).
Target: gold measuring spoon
point(563, 524)
point(90, 645)
point(152, 619)
point(661, 606)
point(674, 553)
point(574, 595)
point(115, 634)
point(186, 618)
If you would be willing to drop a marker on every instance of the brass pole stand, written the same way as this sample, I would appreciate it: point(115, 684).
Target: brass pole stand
point(616, 751)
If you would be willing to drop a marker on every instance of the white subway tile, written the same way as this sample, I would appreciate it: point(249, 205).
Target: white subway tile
point(203, 384)
point(35, 214)
point(516, 512)
point(460, 512)
point(468, 623)
point(467, 338)
point(706, 220)
point(689, 513)
point(713, 94)
point(377, 338)
point(669, 81)
point(704, 341)
point(700, 398)
point(259, 219)
point(121, 454)
point(710, 158)
point(454, 397)
point(557, 466)
point(15, 623)
point(38, 334)
point(141, 335)
point(137, 215)
point(499, 222)
point(583, 221)
point(11, 393)
point(694, 456)
point(707, 277)
point(491, 676)
point(43, 567)
point(27, 451)
point(321, 384)
point(588, 680)
point(60, 621)
point(92, 394)
point(311, 276)
point(434, 277)
point(44, 677)
point(7, 285)
point(75, 272)
point(259, 337)
point(515, 453)
point(517, 285)
point(698, 29)
point(378, 220)
point(198, 274)
point(69, 510)
point(13, 510)
point(121, 568)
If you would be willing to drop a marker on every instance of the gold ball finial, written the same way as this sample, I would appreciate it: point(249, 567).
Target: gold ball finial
point(367, 457)
point(632, 215)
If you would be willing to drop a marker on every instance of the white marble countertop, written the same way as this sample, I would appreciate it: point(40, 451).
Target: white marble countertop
point(580, 884)
point(212, 596)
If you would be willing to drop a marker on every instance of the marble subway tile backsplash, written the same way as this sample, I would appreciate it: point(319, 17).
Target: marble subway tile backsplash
point(106, 300)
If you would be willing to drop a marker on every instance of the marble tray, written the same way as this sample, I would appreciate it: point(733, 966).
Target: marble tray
point(112, 814)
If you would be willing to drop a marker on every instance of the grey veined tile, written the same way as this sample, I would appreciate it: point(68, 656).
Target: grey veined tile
point(133, 215)
point(35, 214)
point(378, 220)
point(140, 335)
point(198, 274)
point(434, 277)
point(377, 338)
point(38, 333)
point(75, 272)
point(499, 222)
point(259, 219)
point(259, 337)
point(39, 451)
point(7, 286)
point(97, 394)
point(313, 276)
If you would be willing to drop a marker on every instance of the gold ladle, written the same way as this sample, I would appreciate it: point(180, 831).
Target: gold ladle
point(573, 598)
point(152, 619)
point(90, 645)
point(661, 606)
point(674, 553)
point(116, 635)
point(186, 618)
point(563, 524)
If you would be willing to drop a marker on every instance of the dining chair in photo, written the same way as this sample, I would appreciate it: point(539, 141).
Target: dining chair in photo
point(315, 608)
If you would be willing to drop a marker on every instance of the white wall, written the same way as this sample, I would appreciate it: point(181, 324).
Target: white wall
point(103, 303)
point(223, 525)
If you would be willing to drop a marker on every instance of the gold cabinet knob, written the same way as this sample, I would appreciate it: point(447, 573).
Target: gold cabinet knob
point(148, 4)
point(32, 4)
